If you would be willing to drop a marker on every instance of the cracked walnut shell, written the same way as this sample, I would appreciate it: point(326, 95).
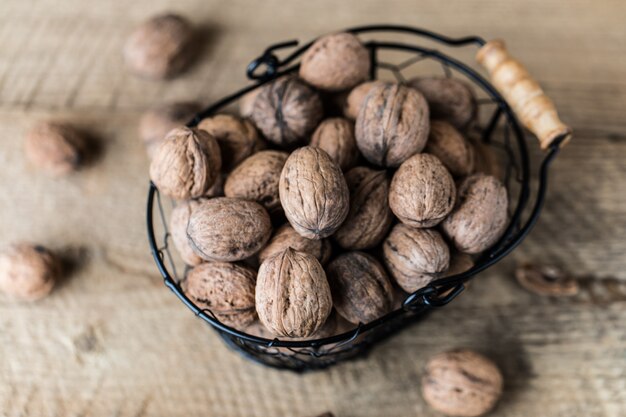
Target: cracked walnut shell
point(28, 272)
point(336, 137)
point(286, 237)
point(237, 138)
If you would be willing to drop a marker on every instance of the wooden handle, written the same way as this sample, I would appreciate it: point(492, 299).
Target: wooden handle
point(523, 93)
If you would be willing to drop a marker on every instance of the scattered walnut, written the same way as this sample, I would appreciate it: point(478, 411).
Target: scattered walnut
point(246, 103)
point(286, 237)
point(369, 217)
point(28, 272)
point(228, 229)
point(336, 137)
point(461, 383)
point(292, 294)
point(186, 164)
point(452, 149)
point(415, 257)
point(179, 219)
point(156, 123)
point(546, 280)
point(237, 138)
point(422, 191)
point(55, 148)
point(480, 215)
point(356, 98)
point(392, 124)
point(335, 62)
point(313, 193)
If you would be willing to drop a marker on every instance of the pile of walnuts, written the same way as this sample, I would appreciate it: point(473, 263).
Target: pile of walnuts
point(291, 210)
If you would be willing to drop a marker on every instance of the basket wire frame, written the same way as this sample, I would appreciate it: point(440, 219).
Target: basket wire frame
point(502, 132)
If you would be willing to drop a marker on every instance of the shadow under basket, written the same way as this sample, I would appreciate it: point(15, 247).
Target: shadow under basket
point(497, 128)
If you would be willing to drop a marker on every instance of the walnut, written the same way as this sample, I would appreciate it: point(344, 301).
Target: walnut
point(160, 47)
point(415, 257)
point(179, 219)
point(286, 111)
point(422, 191)
point(356, 98)
point(292, 294)
point(286, 237)
point(256, 179)
point(237, 138)
point(226, 289)
point(28, 272)
point(55, 148)
point(217, 189)
point(459, 263)
point(480, 214)
point(546, 280)
point(246, 103)
point(448, 98)
point(313, 193)
point(392, 124)
point(452, 149)
point(461, 383)
point(335, 62)
point(156, 123)
point(336, 137)
point(360, 287)
point(186, 163)
point(369, 217)
point(228, 229)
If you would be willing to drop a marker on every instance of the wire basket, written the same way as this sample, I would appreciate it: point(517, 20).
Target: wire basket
point(499, 129)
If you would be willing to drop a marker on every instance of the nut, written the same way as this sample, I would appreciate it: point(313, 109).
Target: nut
point(186, 164)
point(160, 47)
point(28, 272)
point(286, 111)
point(336, 137)
point(237, 138)
point(292, 294)
point(286, 237)
point(369, 217)
point(156, 123)
point(226, 289)
point(422, 191)
point(392, 124)
point(356, 98)
point(415, 257)
point(228, 229)
point(246, 103)
point(480, 215)
point(452, 149)
point(335, 62)
point(217, 189)
point(546, 280)
point(313, 193)
point(461, 383)
point(360, 287)
point(459, 263)
point(55, 148)
point(179, 220)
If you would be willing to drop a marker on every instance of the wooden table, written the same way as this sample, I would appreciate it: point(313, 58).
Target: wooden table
point(112, 341)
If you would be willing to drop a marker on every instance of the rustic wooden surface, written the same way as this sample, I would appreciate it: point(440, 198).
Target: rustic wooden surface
point(112, 341)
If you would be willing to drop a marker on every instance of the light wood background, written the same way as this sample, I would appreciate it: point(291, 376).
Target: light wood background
point(112, 341)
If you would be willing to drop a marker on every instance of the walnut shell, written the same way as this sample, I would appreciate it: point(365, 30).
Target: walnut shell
point(546, 280)
point(256, 179)
point(360, 287)
point(237, 138)
point(228, 229)
point(246, 103)
point(415, 257)
point(459, 262)
point(286, 237)
point(160, 47)
point(217, 189)
point(313, 193)
point(461, 383)
point(422, 191)
point(286, 111)
point(28, 272)
point(369, 217)
point(179, 220)
point(186, 163)
point(156, 123)
point(335, 62)
point(226, 289)
point(449, 99)
point(356, 98)
point(336, 137)
point(55, 148)
point(392, 124)
point(480, 215)
point(292, 294)
point(452, 149)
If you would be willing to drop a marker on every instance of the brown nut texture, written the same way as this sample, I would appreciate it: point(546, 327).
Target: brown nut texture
point(422, 191)
point(160, 47)
point(226, 289)
point(360, 287)
point(356, 98)
point(415, 257)
point(54, 147)
point(292, 294)
point(546, 280)
point(156, 123)
point(313, 193)
point(336, 137)
point(286, 111)
point(28, 272)
point(286, 237)
point(452, 149)
point(237, 138)
point(228, 229)
point(461, 383)
point(480, 214)
point(459, 262)
point(186, 164)
point(392, 124)
point(179, 220)
point(369, 217)
point(246, 103)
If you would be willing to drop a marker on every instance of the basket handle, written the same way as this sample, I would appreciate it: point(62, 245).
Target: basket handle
point(523, 93)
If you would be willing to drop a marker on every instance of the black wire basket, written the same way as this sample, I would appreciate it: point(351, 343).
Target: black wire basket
point(499, 130)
